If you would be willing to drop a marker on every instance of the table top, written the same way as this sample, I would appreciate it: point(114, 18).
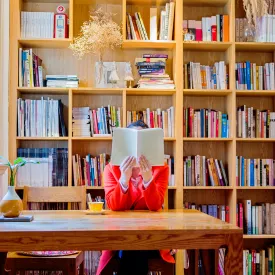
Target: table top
point(128, 221)
point(129, 230)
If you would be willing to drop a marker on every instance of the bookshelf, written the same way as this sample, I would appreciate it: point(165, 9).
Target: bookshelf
point(58, 59)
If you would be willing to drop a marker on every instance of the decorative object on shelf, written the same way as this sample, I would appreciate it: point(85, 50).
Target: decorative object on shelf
point(254, 9)
point(61, 25)
point(249, 32)
point(104, 74)
point(11, 205)
point(114, 78)
point(128, 74)
point(99, 34)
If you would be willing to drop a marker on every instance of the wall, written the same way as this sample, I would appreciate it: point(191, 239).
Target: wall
point(4, 79)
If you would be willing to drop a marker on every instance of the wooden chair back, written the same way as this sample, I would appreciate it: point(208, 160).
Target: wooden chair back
point(55, 195)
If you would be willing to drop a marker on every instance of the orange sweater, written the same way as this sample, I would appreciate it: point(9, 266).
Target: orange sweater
point(138, 198)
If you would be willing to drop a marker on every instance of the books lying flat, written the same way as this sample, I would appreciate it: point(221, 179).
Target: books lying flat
point(17, 219)
point(132, 142)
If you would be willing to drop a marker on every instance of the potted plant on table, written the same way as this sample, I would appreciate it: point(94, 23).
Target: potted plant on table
point(11, 205)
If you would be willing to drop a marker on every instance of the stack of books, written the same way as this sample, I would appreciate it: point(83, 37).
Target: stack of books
point(253, 123)
point(256, 219)
point(81, 121)
point(217, 211)
point(151, 68)
point(260, 261)
point(62, 81)
point(40, 118)
point(164, 119)
point(214, 28)
point(135, 27)
point(89, 171)
point(205, 123)
point(197, 76)
point(201, 171)
point(37, 24)
point(51, 171)
point(255, 172)
point(249, 76)
point(30, 69)
point(104, 119)
point(169, 160)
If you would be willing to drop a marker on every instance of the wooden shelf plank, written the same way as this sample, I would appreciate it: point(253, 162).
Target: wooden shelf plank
point(42, 90)
point(264, 236)
point(147, 44)
point(255, 187)
point(206, 92)
point(172, 187)
point(45, 43)
point(255, 93)
point(209, 3)
point(137, 91)
point(95, 187)
point(255, 47)
point(43, 138)
point(206, 139)
point(208, 187)
point(97, 91)
point(110, 138)
point(255, 139)
point(206, 46)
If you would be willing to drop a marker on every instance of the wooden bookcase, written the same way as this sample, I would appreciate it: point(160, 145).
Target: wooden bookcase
point(58, 59)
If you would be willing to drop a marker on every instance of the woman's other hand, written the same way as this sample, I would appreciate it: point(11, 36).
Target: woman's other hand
point(145, 169)
point(126, 171)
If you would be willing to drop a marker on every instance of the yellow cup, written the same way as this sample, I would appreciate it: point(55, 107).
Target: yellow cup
point(96, 206)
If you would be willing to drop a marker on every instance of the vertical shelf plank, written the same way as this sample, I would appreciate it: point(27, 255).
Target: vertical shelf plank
point(124, 109)
point(71, 19)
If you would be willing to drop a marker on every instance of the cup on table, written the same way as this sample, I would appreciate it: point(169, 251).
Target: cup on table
point(96, 206)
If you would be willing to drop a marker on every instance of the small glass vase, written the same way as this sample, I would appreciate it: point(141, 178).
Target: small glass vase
point(249, 33)
point(11, 205)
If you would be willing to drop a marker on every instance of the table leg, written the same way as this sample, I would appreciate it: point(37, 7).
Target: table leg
point(234, 256)
point(3, 256)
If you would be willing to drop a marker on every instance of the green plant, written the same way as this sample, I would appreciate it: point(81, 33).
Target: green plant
point(19, 162)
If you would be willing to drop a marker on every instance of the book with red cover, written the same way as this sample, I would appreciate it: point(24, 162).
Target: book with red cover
point(198, 31)
point(213, 28)
point(227, 213)
point(136, 28)
point(240, 215)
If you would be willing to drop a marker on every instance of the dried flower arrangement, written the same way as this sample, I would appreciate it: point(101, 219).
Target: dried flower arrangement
point(254, 9)
point(97, 35)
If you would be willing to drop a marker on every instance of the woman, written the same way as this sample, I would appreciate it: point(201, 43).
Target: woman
point(135, 185)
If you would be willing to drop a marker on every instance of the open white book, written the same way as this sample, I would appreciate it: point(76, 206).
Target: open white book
point(132, 142)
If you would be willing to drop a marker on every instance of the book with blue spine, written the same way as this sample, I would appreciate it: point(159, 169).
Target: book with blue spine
point(248, 75)
point(242, 168)
point(224, 126)
point(252, 172)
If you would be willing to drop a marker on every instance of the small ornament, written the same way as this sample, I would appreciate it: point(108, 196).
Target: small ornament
point(61, 23)
point(113, 78)
point(128, 74)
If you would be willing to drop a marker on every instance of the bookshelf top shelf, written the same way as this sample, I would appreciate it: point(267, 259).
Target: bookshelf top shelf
point(210, 3)
point(255, 47)
point(45, 43)
point(148, 44)
point(255, 139)
point(42, 90)
point(255, 93)
point(255, 187)
point(267, 236)
point(206, 46)
point(206, 92)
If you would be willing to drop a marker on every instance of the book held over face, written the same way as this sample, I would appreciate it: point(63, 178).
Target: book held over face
point(132, 142)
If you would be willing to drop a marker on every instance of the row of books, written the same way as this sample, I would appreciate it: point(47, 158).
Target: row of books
point(51, 206)
point(40, 118)
point(264, 32)
point(51, 171)
point(217, 211)
point(30, 69)
point(259, 262)
point(202, 171)
point(253, 123)
point(164, 119)
point(62, 81)
point(214, 28)
point(200, 123)
point(249, 76)
point(87, 122)
point(256, 219)
point(135, 27)
point(151, 68)
point(197, 76)
point(255, 172)
point(37, 24)
point(89, 171)
point(169, 160)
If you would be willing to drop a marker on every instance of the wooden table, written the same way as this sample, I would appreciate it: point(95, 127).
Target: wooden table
point(139, 230)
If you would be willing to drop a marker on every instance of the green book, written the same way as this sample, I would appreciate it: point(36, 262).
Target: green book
point(249, 264)
point(273, 262)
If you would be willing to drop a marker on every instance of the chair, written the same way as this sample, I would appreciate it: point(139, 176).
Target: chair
point(69, 265)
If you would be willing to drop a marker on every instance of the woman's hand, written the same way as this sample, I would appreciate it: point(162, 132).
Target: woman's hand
point(126, 171)
point(145, 168)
